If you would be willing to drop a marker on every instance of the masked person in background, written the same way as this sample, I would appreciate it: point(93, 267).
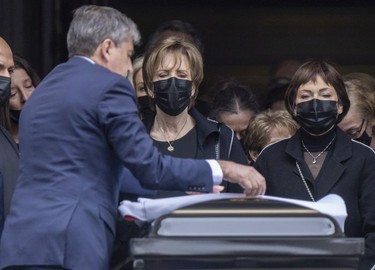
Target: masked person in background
point(268, 127)
point(359, 122)
point(8, 149)
point(24, 80)
point(144, 103)
point(320, 158)
point(235, 105)
point(172, 71)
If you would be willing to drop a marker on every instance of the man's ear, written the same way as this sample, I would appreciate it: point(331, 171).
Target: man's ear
point(105, 49)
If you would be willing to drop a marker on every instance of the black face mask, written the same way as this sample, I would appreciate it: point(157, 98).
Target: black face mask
point(4, 90)
point(144, 106)
point(15, 115)
point(364, 138)
point(172, 95)
point(317, 116)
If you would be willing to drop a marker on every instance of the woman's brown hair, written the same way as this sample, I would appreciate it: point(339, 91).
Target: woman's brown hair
point(309, 71)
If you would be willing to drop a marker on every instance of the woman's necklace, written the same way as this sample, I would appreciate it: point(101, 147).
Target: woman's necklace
point(170, 147)
point(304, 182)
point(315, 158)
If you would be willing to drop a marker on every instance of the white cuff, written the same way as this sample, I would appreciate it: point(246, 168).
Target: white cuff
point(217, 173)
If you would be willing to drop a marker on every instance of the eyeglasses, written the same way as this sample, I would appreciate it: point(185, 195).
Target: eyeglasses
point(354, 133)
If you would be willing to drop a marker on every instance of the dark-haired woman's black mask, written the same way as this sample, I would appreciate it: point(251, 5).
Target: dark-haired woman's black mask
point(364, 138)
point(317, 116)
point(15, 115)
point(4, 90)
point(144, 106)
point(172, 95)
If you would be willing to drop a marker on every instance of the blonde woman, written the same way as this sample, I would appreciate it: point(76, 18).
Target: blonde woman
point(359, 122)
point(268, 127)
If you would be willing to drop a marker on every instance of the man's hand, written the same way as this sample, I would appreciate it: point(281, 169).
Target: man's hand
point(246, 176)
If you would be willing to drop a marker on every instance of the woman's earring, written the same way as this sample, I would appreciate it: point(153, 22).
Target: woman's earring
point(340, 108)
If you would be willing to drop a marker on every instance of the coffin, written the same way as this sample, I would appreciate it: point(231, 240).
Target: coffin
point(246, 233)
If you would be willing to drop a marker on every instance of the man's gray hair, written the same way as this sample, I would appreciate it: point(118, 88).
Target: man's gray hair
point(92, 24)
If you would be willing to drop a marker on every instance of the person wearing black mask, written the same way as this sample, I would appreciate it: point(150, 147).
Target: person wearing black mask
point(320, 159)
point(6, 68)
point(358, 122)
point(172, 72)
point(9, 157)
point(144, 103)
point(236, 105)
point(23, 82)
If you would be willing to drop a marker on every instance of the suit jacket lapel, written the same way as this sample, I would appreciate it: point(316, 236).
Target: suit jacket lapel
point(333, 167)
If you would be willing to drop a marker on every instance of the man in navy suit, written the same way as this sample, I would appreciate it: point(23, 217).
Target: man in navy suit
point(77, 131)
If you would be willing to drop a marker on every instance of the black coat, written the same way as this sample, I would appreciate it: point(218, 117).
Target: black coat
point(9, 159)
point(215, 141)
point(209, 133)
point(348, 170)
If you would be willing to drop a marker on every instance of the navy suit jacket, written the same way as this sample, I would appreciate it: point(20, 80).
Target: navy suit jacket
point(77, 130)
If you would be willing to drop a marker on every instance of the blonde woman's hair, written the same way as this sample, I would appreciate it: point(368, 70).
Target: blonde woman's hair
point(259, 130)
point(361, 91)
point(137, 67)
point(178, 48)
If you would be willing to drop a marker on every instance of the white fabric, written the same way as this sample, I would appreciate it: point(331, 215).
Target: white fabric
point(150, 209)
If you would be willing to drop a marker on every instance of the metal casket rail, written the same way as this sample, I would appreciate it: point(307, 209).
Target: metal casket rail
point(246, 233)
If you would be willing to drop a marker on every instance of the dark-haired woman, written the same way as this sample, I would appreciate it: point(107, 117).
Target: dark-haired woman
point(320, 158)
point(23, 83)
point(235, 105)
